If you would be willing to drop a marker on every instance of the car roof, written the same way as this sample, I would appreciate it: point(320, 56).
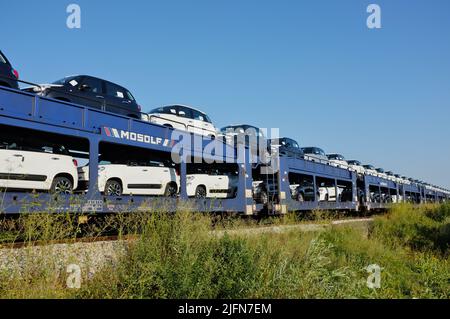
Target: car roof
point(242, 125)
point(283, 138)
point(93, 77)
point(183, 105)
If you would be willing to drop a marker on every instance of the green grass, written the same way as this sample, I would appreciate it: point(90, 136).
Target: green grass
point(176, 257)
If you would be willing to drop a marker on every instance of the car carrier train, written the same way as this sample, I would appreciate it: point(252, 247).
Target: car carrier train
point(62, 151)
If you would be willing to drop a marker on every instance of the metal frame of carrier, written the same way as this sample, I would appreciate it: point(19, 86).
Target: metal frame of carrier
point(21, 110)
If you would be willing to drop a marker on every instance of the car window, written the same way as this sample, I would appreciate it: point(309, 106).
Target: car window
point(153, 163)
point(170, 110)
point(116, 91)
point(72, 80)
point(199, 116)
point(184, 112)
point(130, 96)
point(94, 85)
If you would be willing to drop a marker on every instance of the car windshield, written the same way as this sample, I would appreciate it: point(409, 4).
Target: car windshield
point(336, 157)
point(369, 166)
point(354, 163)
point(313, 150)
point(130, 96)
point(207, 118)
point(2, 58)
point(157, 110)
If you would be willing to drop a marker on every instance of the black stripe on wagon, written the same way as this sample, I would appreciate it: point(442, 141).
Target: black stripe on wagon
point(23, 177)
point(216, 191)
point(144, 186)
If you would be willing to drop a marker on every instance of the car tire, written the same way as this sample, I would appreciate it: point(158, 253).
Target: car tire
point(200, 192)
point(113, 188)
point(264, 197)
point(171, 191)
point(61, 186)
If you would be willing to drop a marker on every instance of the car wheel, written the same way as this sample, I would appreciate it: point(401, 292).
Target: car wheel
point(61, 186)
point(264, 198)
point(171, 190)
point(200, 192)
point(113, 188)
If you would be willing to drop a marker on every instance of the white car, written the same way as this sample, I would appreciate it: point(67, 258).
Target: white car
point(337, 160)
point(382, 174)
point(37, 167)
point(211, 184)
point(356, 166)
point(315, 154)
point(328, 194)
point(135, 177)
point(182, 118)
point(370, 170)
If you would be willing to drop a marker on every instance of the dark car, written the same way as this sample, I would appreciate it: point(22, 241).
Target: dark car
point(92, 92)
point(252, 136)
point(304, 192)
point(8, 75)
point(286, 147)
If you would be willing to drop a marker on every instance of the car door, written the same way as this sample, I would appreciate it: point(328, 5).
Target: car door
point(136, 178)
point(11, 167)
point(90, 92)
point(117, 100)
point(26, 168)
point(222, 185)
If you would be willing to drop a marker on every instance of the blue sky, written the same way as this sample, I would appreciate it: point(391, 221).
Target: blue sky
point(311, 68)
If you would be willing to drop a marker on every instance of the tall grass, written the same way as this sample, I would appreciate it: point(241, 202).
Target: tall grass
point(176, 256)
